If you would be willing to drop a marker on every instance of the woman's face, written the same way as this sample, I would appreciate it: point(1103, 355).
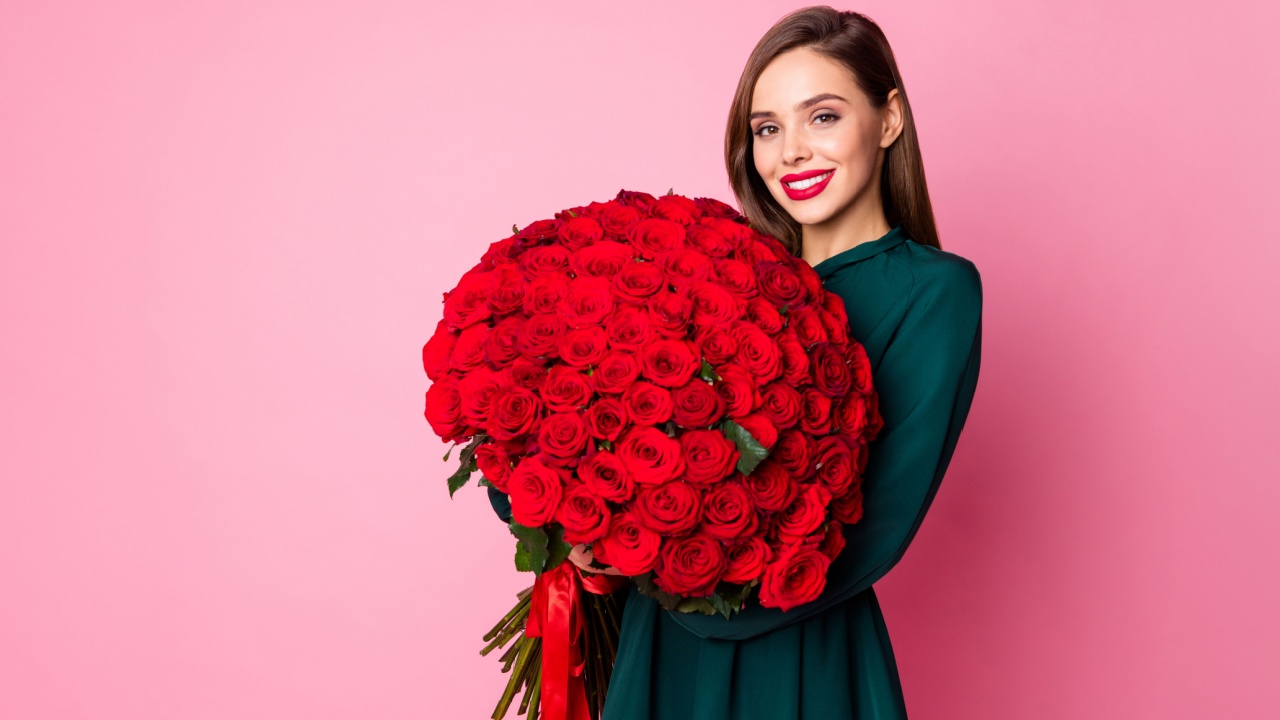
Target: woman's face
point(812, 124)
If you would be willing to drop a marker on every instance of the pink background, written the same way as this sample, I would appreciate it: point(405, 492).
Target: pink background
point(227, 228)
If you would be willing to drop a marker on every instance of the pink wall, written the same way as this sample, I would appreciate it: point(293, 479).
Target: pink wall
point(227, 227)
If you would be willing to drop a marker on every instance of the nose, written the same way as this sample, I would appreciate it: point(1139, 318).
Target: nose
point(795, 148)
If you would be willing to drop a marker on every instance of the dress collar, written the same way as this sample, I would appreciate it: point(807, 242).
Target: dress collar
point(861, 251)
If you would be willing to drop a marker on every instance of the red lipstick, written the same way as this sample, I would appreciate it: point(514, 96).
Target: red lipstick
point(806, 193)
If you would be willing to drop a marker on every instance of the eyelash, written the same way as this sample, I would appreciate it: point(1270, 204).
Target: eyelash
point(759, 131)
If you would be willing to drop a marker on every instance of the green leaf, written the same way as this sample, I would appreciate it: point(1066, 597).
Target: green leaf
point(534, 540)
point(514, 229)
point(557, 549)
point(750, 452)
point(669, 190)
point(720, 605)
point(646, 586)
point(484, 482)
point(572, 214)
point(523, 562)
point(708, 373)
point(449, 451)
point(783, 310)
point(702, 605)
point(605, 445)
point(467, 464)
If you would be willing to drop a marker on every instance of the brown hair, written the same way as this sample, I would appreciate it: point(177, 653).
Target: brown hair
point(856, 42)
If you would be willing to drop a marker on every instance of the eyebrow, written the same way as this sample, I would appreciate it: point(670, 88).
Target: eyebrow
point(806, 104)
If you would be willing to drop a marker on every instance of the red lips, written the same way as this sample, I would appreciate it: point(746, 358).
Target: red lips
point(804, 175)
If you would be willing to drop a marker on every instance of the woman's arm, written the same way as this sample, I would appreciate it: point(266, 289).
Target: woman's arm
point(926, 381)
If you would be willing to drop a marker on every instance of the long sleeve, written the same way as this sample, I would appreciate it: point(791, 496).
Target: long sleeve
point(500, 502)
point(926, 381)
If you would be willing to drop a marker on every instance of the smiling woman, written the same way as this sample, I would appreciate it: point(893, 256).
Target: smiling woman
point(821, 151)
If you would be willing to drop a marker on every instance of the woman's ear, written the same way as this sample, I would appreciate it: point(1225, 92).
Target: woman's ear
point(891, 119)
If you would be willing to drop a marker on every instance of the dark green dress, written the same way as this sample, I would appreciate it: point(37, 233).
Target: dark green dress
point(918, 312)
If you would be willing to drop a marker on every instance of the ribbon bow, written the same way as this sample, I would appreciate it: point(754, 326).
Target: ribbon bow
point(556, 615)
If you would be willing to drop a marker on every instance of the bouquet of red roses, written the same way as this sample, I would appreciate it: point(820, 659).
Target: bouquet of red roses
point(652, 377)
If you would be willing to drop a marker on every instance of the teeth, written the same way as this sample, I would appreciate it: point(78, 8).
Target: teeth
point(802, 184)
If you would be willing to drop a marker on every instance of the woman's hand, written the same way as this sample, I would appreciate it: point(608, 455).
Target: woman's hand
point(581, 556)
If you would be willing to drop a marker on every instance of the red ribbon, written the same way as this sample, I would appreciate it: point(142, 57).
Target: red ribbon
point(556, 615)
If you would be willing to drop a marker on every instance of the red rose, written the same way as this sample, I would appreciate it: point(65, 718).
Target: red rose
point(764, 315)
point(513, 413)
point(860, 367)
point(579, 232)
point(669, 363)
point(807, 326)
point(677, 208)
point(782, 404)
point(540, 335)
point(670, 313)
point(708, 241)
point(607, 476)
point(444, 409)
point(628, 546)
point(793, 579)
point(728, 513)
point(735, 232)
point(714, 208)
point(563, 436)
point(833, 542)
point(795, 361)
point(779, 284)
point(794, 451)
point(588, 301)
point(683, 267)
point(651, 456)
point(603, 259)
point(641, 201)
point(478, 390)
point(738, 388)
point(668, 509)
point(500, 346)
point(616, 372)
point(713, 304)
point(830, 373)
point(690, 566)
point(848, 507)
point(697, 404)
point(648, 404)
point(653, 236)
point(438, 350)
point(543, 294)
point(539, 230)
point(507, 296)
point(494, 463)
point(617, 219)
point(805, 514)
point(605, 419)
point(629, 329)
point(528, 374)
point(468, 353)
point(583, 514)
point(468, 303)
point(535, 491)
point(738, 278)
point(770, 486)
point(709, 456)
point(566, 389)
point(853, 414)
point(716, 344)
point(757, 352)
point(747, 559)
point(502, 252)
point(835, 465)
point(583, 346)
point(638, 281)
point(815, 412)
point(544, 260)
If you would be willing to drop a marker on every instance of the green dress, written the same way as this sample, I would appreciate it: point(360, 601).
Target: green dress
point(917, 310)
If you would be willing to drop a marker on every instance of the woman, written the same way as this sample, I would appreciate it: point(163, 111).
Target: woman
point(821, 150)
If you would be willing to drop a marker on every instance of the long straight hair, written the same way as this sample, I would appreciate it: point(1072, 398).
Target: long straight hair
point(856, 42)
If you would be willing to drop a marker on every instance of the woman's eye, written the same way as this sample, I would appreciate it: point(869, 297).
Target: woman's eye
point(760, 131)
point(833, 117)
